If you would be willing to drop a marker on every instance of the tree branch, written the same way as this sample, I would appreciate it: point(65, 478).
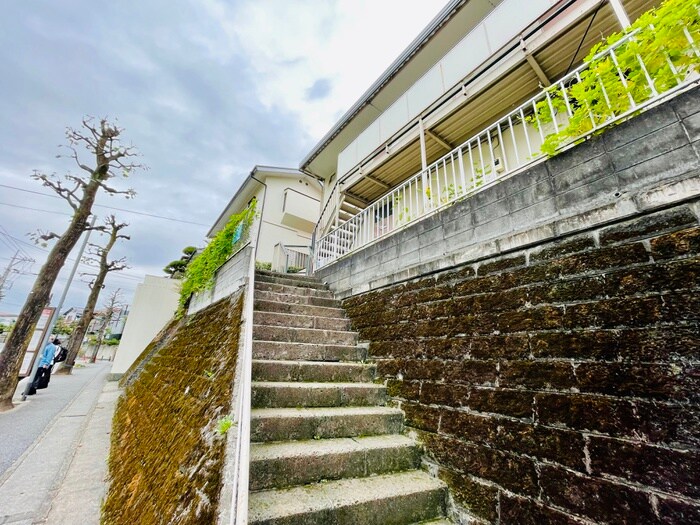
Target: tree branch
point(51, 181)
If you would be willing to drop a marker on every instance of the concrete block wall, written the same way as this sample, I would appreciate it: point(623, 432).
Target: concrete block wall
point(228, 280)
point(559, 383)
point(648, 162)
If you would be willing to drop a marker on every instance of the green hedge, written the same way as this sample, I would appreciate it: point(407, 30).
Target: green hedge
point(200, 273)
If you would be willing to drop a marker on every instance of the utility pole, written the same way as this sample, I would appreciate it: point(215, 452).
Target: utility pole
point(6, 273)
point(54, 317)
point(16, 260)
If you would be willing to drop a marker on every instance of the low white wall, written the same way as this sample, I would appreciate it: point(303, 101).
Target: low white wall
point(229, 278)
point(155, 302)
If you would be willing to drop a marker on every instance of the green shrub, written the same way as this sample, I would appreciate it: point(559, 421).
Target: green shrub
point(601, 94)
point(199, 275)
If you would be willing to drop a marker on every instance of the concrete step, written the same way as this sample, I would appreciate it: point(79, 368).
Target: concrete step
point(290, 281)
point(295, 394)
point(261, 305)
point(293, 290)
point(277, 465)
point(292, 298)
point(301, 321)
point(276, 350)
point(271, 370)
point(278, 424)
point(294, 276)
point(303, 335)
point(390, 499)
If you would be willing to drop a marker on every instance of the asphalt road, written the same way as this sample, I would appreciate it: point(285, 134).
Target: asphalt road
point(21, 426)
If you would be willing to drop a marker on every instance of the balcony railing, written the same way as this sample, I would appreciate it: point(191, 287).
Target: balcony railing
point(614, 84)
point(290, 258)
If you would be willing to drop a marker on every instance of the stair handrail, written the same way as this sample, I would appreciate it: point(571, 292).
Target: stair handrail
point(241, 470)
point(323, 220)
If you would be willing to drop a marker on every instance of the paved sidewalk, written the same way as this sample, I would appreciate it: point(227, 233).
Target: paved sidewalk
point(60, 479)
point(22, 426)
point(80, 497)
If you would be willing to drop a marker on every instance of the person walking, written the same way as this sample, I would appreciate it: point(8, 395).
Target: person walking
point(43, 373)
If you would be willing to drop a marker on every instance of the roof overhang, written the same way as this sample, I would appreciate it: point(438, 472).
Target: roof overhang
point(442, 33)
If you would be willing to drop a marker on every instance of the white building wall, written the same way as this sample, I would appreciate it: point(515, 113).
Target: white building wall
point(155, 302)
point(272, 228)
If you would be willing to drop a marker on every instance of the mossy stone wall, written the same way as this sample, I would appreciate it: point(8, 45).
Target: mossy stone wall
point(560, 383)
point(166, 456)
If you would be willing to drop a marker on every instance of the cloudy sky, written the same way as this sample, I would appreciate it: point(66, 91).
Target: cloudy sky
point(205, 89)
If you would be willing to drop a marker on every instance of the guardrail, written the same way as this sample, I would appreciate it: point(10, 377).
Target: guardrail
point(614, 84)
point(290, 258)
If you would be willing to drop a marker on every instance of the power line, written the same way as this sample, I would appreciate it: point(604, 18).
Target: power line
point(146, 214)
point(42, 210)
point(84, 265)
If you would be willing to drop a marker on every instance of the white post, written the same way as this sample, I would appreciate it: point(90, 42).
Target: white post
point(423, 162)
point(620, 13)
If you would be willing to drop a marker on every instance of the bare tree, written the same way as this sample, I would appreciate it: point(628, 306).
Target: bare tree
point(112, 307)
point(109, 158)
point(97, 255)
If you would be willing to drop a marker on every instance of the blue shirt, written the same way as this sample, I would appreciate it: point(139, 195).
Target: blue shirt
point(47, 355)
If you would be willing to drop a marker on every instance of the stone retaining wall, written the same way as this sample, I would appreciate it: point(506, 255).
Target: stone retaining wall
point(560, 383)
point(167, 458)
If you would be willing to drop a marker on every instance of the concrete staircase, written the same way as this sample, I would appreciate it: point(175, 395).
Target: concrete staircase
point(326, 449)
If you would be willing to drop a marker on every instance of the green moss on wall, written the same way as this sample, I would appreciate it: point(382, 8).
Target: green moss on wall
point(166, 457)
point(159, 341)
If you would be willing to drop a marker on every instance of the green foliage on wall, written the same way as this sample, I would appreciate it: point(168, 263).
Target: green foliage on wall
point(607, 89)
point(167, 455)
point(200, 273)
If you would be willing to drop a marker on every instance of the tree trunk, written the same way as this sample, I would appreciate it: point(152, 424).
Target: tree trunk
point(78, 334)
point(100, 338)
point(15, 346)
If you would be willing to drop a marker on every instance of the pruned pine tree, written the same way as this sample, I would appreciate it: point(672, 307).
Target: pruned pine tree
point(109, 159)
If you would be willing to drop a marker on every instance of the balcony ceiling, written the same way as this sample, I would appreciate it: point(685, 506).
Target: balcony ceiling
point(512, 89)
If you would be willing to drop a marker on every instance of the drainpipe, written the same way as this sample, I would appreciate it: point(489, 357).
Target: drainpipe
point(262, 209)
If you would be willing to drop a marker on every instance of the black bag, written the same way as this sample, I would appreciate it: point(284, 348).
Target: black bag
point(61, 355)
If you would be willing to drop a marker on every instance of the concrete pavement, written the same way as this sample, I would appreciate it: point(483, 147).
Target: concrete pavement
point(60, 476)
point(23, 425)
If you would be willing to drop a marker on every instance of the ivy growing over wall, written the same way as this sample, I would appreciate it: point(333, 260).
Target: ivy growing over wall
point(601, 94)
point(200, 273)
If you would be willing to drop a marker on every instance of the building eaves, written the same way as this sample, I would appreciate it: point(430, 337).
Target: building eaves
point(418, 43)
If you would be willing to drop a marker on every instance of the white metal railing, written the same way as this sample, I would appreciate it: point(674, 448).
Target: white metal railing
point(329, 214)
point(511, 144)
point(292, 258)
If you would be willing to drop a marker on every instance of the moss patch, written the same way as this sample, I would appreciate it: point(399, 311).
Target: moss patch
point(166, 457)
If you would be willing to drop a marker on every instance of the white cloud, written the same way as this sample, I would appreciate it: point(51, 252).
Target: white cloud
point(205, 91)
point(349, 43)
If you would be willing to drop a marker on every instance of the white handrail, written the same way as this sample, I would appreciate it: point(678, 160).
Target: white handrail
point(241, 474)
